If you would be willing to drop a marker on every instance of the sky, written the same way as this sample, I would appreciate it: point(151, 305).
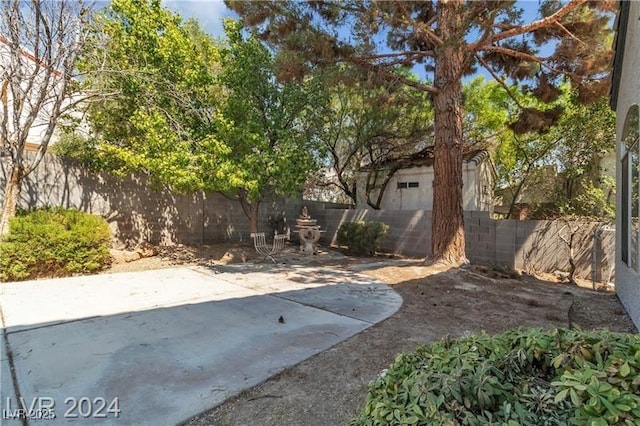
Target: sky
point(208, 12)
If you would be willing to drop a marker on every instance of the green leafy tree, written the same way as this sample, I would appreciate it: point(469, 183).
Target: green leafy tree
point(587, 134)
point(194, 114)
point(572, 149)
point(159, 75)
point(487, 109)
point(451, 38)
point(271, 126)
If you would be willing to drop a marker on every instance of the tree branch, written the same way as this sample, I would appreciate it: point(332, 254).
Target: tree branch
point(393, 55)
point(391, 75)
point(542, 23)
point(499, 80)
point(569, 33)
point(523, 56)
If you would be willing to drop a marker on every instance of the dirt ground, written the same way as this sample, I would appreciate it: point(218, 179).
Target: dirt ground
point(329, 388)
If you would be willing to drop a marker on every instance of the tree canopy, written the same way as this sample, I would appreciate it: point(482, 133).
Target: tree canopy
point(196, 114)
point(564, 162)
point(159, 74)
point(271, 127)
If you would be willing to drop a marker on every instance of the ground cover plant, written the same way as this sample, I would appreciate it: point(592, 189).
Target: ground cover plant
point(54, 242)
point(520, 377)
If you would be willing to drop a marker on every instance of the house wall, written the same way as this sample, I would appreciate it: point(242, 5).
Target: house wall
point(484, 199)
point(627, 279)
point(476, 191)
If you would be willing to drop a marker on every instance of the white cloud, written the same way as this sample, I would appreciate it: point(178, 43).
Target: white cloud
point(208, 12)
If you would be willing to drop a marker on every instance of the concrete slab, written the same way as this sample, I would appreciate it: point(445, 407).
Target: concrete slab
point(6, 384)
point(356, 296)
point(171, 343)
point(45, 302)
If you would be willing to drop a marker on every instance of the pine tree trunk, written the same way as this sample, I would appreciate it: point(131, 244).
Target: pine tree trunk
point(11, 198)
point(447, 228)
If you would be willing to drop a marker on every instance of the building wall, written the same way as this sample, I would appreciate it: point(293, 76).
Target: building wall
point(477, 185)
point(38, 128)
point(627, 279)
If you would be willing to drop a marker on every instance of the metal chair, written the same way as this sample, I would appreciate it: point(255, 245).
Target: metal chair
point(265, 250)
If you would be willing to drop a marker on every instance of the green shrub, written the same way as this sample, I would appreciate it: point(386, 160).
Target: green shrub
point(520, 377)
point(362, 237)
point(52, 243)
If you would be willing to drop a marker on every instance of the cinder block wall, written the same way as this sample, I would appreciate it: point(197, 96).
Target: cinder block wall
point(136, 213)
point(532, 246)
point(409, 230)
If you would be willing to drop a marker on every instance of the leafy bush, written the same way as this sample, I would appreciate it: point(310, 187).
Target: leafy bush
point(77, 147)
point(52, 243)
point(362, 237)
point(520, 377)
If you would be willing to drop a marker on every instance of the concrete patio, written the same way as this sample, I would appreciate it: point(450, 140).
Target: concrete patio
point(167, 344)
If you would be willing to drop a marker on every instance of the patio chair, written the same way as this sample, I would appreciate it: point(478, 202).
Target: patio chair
point(265, 250)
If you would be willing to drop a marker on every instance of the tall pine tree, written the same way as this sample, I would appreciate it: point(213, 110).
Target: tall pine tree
point(568, 40)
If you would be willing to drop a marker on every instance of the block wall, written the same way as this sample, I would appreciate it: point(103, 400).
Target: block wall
point(138, 213)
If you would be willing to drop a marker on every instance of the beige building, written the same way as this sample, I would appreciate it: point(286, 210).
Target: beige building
point(411, 186)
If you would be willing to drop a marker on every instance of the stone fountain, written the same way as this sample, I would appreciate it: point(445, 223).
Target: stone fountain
point(309, 233)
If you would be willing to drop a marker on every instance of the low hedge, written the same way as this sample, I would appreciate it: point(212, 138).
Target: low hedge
point(520, 377)
point(362, 237)
point(54, 242)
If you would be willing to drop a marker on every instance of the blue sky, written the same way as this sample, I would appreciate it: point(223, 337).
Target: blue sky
point(208, 12)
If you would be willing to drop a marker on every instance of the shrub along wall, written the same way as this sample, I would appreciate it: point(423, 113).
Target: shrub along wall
point(52, 243)
point(137, 213)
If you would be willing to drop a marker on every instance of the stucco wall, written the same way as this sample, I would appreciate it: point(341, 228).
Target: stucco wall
point(477, 184)
point(627, 280)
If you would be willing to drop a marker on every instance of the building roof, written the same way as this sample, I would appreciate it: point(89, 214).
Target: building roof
point(24, 52)
point(620, 26)
point(425, 158)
